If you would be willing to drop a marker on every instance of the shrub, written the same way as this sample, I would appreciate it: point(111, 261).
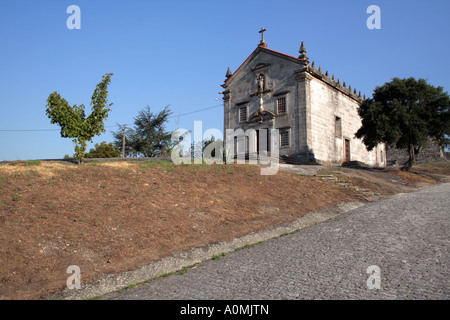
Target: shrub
point(104, 150)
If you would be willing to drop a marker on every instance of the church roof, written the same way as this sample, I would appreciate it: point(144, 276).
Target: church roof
point(302, 60)
point(254, 53)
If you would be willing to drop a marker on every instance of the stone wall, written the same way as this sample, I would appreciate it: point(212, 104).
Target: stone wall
point(327, 103)
point(430, 153)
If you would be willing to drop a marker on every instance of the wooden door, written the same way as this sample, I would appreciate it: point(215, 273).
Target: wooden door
point(347, 150)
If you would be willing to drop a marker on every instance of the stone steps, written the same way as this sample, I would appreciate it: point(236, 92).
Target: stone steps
point(331, 178)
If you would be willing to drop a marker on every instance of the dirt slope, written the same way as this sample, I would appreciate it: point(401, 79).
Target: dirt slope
point(114, 217)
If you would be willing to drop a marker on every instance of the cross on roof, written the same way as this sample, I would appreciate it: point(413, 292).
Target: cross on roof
point(262, 43)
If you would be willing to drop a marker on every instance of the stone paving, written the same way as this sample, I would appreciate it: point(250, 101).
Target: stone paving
point(405, 236)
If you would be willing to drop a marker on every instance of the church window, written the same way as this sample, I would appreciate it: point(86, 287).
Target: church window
point(241, 145)
point(284, 138)
point(281, 105)
point(242, 114)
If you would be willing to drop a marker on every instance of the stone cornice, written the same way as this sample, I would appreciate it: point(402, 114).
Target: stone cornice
point(308, 72)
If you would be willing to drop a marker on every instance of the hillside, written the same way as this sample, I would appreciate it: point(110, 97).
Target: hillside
point(114, 217)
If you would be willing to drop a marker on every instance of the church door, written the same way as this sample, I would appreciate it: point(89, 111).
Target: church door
point(266, 134)
point(347, 150)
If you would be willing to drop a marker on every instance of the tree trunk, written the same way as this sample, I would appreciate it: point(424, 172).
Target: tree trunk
point(413, 152)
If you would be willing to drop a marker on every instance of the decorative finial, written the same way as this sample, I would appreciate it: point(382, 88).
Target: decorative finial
point(339, 81)
point(313, 65)
point(302, 51)
point(262, 43)
point(350, 88)
point(332, 77)
point(343, 84)
point(229, 74)
point(327, 74)
point(320, 69)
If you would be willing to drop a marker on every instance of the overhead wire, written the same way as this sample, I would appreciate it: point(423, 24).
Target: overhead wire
point(127, 124)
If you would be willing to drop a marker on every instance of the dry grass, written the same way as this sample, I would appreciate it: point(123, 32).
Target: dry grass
point(113, 217)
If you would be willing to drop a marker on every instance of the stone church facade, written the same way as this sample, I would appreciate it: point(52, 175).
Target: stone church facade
point(316, 115)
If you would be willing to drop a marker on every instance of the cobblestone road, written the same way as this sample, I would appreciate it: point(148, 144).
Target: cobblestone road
point(406, 236)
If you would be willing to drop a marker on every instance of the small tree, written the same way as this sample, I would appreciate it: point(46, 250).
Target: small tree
point(104, 150)
point(73, 120)
point(405, 113)
point(148, 138)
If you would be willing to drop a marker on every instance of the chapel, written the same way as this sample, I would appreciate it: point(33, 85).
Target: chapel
point(315, 112)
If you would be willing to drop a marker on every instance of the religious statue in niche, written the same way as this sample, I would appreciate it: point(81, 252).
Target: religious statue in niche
point(261, 83)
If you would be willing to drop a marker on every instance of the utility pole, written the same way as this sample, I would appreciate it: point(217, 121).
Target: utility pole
point(123, 141)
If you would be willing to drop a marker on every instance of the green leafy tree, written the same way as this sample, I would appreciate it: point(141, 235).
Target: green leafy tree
point(104, 150)
point(148, 137)
point(73, 120)
point(407, 114)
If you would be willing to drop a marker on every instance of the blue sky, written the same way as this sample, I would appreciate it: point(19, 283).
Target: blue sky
point(177, 52)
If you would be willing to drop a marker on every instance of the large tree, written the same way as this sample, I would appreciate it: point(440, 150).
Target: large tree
point(148, 137)
point(73, 120)
point(407, 114)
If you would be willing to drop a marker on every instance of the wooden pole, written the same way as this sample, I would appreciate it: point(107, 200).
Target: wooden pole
point(123, 141)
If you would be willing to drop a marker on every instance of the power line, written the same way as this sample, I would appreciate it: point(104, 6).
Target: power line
point(22, 130)
point(184, 114)
point(36, 130)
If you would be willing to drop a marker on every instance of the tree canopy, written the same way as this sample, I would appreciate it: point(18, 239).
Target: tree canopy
point(406, 114)
point(73, 120)
point(148, 137)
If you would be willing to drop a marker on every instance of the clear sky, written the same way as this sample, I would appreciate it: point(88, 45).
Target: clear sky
point(177, 52)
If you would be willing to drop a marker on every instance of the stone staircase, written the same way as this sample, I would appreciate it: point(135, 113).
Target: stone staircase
point(314, 170)
point(370, 195)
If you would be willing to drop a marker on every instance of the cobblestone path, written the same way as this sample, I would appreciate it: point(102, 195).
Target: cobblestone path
point(404, 240)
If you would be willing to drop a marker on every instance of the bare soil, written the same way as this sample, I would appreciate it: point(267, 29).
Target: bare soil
point(114, 217)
